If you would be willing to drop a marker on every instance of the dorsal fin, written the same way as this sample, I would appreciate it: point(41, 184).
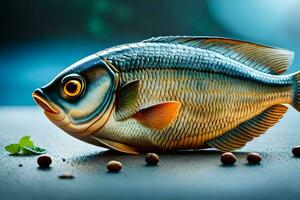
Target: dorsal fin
point(245, 132)
point(262, 58)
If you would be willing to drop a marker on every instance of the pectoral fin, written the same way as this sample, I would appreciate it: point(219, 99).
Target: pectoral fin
point(126, 100)
point(117, 146)
point(156, 117)
point(159, 116)
point(245, 132)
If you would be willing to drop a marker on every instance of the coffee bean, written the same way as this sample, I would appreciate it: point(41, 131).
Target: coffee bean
point(254, 158)
point(296, 151)
point(44, 161)
point(66, 176)
point(228, 158)
point(114, 166)
point(152, 159)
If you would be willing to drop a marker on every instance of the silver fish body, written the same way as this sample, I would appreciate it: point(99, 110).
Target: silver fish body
point(227, 93)
point(216, 92)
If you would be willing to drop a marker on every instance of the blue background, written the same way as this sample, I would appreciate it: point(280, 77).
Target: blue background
point(40, 38)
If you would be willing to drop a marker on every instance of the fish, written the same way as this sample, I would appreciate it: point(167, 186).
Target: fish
point(173, 93)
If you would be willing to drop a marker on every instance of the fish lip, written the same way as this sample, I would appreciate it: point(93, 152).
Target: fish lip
point(44, 102)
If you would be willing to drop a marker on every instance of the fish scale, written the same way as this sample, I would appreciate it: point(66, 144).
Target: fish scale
point(200, 96)
point(149, 55)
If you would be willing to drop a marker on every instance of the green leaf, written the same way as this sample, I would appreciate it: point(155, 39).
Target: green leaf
point(13, 148)
point(26, 146)
point(26, 152)
point(25, 142)
point(33, 150)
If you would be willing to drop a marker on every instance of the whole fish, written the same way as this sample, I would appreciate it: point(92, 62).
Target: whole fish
point(172, 93)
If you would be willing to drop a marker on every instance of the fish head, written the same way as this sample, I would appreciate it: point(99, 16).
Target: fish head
point(81, 98)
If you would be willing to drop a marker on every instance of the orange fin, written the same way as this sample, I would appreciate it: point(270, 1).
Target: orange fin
point(158, 116)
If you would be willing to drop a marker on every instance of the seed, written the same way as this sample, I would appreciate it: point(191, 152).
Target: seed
point(152, 159)
point(66, 176)
point(114, 166)
point(20, 165)
point(296, 151)
point(228, 158)
point(63, 159)
point(254, 158)
point(44, 161)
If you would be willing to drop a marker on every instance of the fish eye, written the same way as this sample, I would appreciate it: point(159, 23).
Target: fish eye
point(72, 86)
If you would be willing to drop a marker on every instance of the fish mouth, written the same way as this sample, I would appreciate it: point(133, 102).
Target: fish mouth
point(63, 120)
point(41, 99)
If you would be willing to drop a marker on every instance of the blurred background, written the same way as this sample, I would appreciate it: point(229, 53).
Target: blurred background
point(40, 38)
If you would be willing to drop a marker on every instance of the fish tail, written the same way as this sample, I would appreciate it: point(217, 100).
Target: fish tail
point(296, 90)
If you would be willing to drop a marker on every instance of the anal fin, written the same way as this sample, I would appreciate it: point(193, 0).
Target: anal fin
point(245, 132)
point(117, 146)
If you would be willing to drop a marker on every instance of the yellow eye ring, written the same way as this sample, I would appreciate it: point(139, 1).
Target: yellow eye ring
point(72, 88)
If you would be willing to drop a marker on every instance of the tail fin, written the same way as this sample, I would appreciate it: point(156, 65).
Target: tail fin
point(296, 101)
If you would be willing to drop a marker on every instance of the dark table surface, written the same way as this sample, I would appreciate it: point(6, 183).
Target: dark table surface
point(179, 175)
